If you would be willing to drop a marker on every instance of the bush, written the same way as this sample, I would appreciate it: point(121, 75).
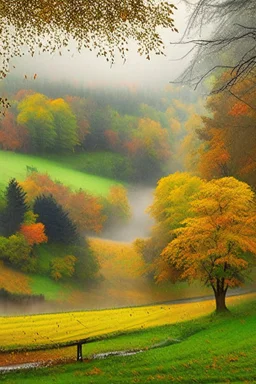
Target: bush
point(63, 267)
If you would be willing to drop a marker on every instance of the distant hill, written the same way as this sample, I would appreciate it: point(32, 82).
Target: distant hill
point(14, 165)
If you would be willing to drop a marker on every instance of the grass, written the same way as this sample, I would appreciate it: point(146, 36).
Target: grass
point(14, 165)
point(118, 260)
point(106, 164)
point(63, 327)
point(211, 349)
point(51, 289)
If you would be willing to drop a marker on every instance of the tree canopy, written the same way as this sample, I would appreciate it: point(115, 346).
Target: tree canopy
point(216, 240)
point(104, 26)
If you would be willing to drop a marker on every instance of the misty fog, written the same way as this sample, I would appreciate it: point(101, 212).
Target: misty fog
point(85, 69)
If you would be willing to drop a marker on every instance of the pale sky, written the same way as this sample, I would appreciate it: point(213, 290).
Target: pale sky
point(88, 70)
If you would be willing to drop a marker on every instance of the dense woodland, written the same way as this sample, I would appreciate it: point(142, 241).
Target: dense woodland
point(140, 130)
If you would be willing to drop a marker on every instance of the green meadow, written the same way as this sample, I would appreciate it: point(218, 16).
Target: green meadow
point(13, 165)
point(209, 349)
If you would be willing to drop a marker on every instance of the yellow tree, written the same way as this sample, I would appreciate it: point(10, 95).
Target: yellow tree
point(170, 207)
point(216, 243)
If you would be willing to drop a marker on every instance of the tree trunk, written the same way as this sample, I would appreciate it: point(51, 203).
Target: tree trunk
point(220, 299)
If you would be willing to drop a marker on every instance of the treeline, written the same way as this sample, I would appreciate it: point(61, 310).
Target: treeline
point(145, 137)
point(43, 225)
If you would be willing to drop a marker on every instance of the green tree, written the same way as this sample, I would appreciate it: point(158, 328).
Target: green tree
point(16, 251)
point(15, 209)
point(65, 125)
point(87, 265)
point(62, 267)
point(58, 226)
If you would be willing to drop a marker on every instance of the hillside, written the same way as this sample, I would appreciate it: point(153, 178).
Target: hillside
point(122, 281)
point(14, 165)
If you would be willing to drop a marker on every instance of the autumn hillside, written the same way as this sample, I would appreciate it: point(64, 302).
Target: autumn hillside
point(17, 165)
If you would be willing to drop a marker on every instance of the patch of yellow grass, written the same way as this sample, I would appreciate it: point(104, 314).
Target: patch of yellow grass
point(36, 330)
point(117, 260)
point(13, 281)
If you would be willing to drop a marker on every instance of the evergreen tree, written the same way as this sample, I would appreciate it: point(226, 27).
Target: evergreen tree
point(58, 226)
point(15, 209)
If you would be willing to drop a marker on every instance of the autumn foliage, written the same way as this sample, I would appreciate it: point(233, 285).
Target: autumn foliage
point(228, 138)
point(86, 211)
point(34, 233)
point(12, 135)
point(214, 239)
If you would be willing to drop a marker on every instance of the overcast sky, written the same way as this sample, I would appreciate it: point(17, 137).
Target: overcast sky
point(89, 70)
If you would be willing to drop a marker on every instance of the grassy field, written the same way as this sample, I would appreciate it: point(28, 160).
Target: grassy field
point(106, 164)
point(209, 349)
point(14, 165)
point(31, 331)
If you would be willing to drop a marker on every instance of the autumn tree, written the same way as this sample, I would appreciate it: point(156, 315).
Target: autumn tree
point(85, 210)
point(227, 135)
point(12, 135)
point(16, 251)
point(62, 267)
point(116, 205)
point(79, 107)
point(15, 208)
point(34, 233)
point(35, 114)
point(216, 243)
point(170, 207)
point(149, 147)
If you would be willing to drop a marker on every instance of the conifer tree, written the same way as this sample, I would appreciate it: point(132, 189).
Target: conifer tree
point(15, 209)
point(58, 226)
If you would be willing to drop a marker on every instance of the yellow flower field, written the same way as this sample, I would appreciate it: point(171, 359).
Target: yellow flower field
point(32, 331)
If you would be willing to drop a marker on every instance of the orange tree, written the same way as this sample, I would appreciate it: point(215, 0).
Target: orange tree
point(227, 134)
point(217, 241)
